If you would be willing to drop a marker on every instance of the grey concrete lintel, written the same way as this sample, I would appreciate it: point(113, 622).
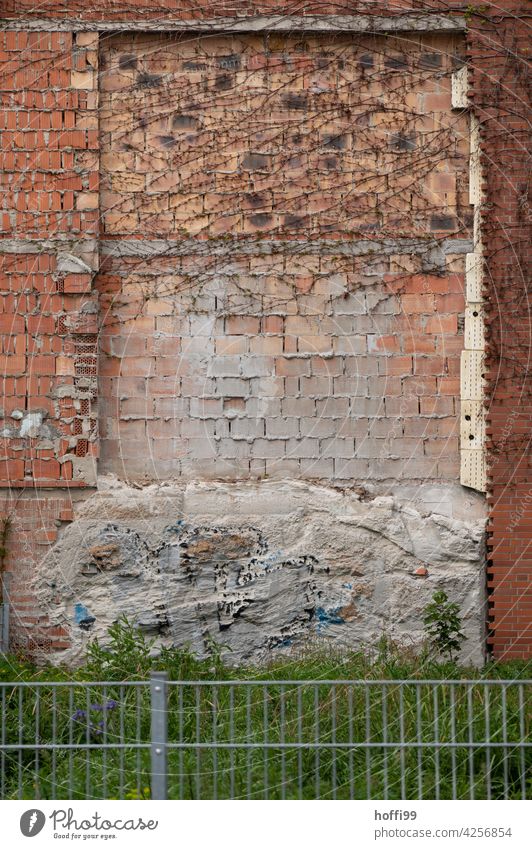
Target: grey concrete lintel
point(151, 248)
point(415, 22)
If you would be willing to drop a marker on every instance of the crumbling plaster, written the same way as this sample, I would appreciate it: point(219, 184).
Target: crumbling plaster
point(265, 566)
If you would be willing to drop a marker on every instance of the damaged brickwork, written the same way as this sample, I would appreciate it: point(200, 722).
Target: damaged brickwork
point(243, 256)
point(290, 347)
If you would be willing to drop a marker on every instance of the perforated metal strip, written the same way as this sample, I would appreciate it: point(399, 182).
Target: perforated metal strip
point(472, 422)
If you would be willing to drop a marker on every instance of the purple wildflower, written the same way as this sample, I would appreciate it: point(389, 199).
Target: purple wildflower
point(79, 715)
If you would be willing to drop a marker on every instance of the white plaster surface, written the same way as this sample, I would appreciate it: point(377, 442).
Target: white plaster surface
point(265, 566)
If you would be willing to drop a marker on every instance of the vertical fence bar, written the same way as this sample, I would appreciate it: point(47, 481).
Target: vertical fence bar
point(37, 734)
point(71, 741)
point(181, 755)
point(282, 740)
point(350, 733)
point(121, 753)
point(159, 735)
point(505, 741)
point(453, 740)
point(402, 739)
point(87, 744)
point(522, 740)
point(368, 738)
point(214, 741)
point(470, 741)
point(384, 697)
point(436, 740)
point(105, 742)
point(317, 740)
point(265, 737)
point(249, 737)
point(419, 740)
point(487, 739)
point(54, 741)
point(20, 740)
point(3, 740)
point(334, 778)
point(300, 739)
point(138, 741)
point(198, 740)
point(231, 740)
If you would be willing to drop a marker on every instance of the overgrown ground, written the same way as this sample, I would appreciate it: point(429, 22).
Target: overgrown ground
point(290, 740)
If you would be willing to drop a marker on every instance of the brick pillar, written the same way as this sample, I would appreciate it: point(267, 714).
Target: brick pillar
point(498, 47)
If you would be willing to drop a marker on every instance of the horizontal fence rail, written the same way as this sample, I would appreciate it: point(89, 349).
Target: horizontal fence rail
point(386, 739)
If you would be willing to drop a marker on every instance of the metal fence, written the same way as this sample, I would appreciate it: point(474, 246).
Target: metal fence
point(265, 739)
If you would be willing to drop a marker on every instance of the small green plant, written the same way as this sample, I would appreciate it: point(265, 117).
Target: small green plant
point(127, 654)
point(443, 624)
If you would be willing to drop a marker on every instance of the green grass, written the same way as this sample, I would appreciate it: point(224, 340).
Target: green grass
point(320, 716)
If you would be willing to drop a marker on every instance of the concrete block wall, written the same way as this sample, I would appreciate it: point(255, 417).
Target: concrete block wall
point(302, 318)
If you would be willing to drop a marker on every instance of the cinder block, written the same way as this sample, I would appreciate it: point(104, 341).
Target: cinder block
point(233, 386)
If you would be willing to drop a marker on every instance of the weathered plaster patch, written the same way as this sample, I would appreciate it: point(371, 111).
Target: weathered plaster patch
point(259, 567)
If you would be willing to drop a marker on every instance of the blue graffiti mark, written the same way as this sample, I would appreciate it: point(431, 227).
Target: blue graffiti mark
point(328, 617)
point(348, 586)
point(82, 616)
point(176, 528)
point(270, 560)
point(80, 613)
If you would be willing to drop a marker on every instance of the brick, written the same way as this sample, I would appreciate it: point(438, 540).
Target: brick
point(442, 324)
point(234, 345)
point(77, 283)
point(314, 344)
point(234, 387)
point(268, 449)
point(270, 345)
point(46, 469)
point(272, 324)
point(418, 304)
point(240, 324)
point(395, 365)
point(298, 407)
point(82, 80)
point(87, 200)
point(337, 447)
point(14, 364)
point(292, 367)
point(352, 469)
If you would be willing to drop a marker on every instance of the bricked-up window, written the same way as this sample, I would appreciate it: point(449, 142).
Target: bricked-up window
point(285, 220)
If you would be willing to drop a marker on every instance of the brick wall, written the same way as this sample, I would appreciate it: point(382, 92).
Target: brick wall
point(408, 336)
point(48, 256)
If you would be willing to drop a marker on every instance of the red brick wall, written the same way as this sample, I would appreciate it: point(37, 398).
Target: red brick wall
point(49, 163)
point(500, 91)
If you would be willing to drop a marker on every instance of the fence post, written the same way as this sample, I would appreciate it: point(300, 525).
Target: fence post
point(159, 735)
point(4, 613)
